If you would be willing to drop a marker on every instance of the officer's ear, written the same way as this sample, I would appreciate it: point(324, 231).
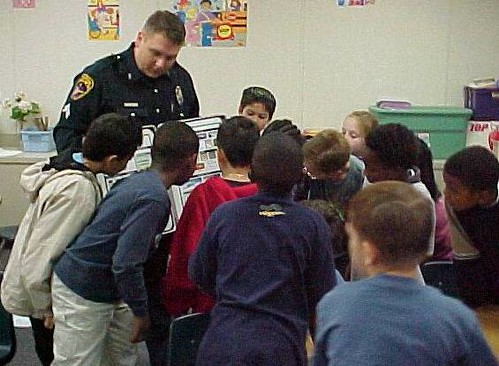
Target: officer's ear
point(140, 37)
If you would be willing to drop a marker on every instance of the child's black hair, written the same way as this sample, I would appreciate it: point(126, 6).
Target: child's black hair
point(257, 94)
point(395, 145)
point(112, 134)
point(475, 167)
point(237, 137)
point(277, 164)
point(173, 142)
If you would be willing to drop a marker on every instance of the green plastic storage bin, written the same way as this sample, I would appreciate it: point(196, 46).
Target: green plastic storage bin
point(444, 128)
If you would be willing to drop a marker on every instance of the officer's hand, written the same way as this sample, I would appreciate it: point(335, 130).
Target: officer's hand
point(140, 325)
point(286, 127)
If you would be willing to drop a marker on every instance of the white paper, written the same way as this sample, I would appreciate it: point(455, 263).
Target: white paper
point(6, 153)
point(21, 322)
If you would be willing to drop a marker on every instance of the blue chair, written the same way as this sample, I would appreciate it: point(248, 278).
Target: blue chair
point(7, 335)
point(186, 333)
point(442, 275)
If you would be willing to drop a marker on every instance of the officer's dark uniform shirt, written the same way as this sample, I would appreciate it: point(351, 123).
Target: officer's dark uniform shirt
point(115, 84)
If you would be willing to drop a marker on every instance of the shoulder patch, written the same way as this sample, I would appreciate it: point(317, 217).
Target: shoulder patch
point(82, 86)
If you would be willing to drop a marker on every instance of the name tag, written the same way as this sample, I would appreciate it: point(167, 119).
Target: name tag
point(130, 105)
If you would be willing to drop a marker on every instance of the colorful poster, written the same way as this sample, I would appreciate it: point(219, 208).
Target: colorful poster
point(19, 4)
point(213, 23)
point(345, 3)
point(103, 20)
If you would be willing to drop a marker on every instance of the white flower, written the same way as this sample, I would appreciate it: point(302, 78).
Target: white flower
point(25, 106)
point(20, 107)
point(19, 96)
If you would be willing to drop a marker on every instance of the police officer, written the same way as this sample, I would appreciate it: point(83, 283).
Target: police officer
point(145, 82)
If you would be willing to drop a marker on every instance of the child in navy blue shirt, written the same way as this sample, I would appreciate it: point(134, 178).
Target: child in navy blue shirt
point(269, 261)
point(98, 292)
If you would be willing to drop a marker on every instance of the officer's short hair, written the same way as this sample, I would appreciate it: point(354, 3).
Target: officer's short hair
point(112, 134)
point(475, 167)
point(174, 141)
point(395, 218)
point(328, 150)
point(257, 94)
point(237, 137)
point(277, 164)
point(162, 21)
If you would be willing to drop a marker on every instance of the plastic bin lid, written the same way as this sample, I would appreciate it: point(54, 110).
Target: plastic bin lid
point(446, 110)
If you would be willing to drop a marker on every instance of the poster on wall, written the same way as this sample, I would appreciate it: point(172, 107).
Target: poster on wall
point(357, 3)
point(103, 20)
point(212, 23)
point(23, 4)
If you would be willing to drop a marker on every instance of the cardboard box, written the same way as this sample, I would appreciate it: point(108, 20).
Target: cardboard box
point(480, 133)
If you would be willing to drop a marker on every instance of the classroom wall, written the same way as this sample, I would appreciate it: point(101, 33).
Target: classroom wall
point(321, 61)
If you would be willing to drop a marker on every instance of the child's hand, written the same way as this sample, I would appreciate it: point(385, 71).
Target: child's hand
point(140, 325)
point(48, 321)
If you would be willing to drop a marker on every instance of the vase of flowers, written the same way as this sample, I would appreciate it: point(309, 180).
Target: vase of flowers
point(20, 109)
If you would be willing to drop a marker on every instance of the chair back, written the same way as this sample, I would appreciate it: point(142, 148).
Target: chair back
point(442, 275)
point(7, 236)
point(7, 335)
point(186, 333)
